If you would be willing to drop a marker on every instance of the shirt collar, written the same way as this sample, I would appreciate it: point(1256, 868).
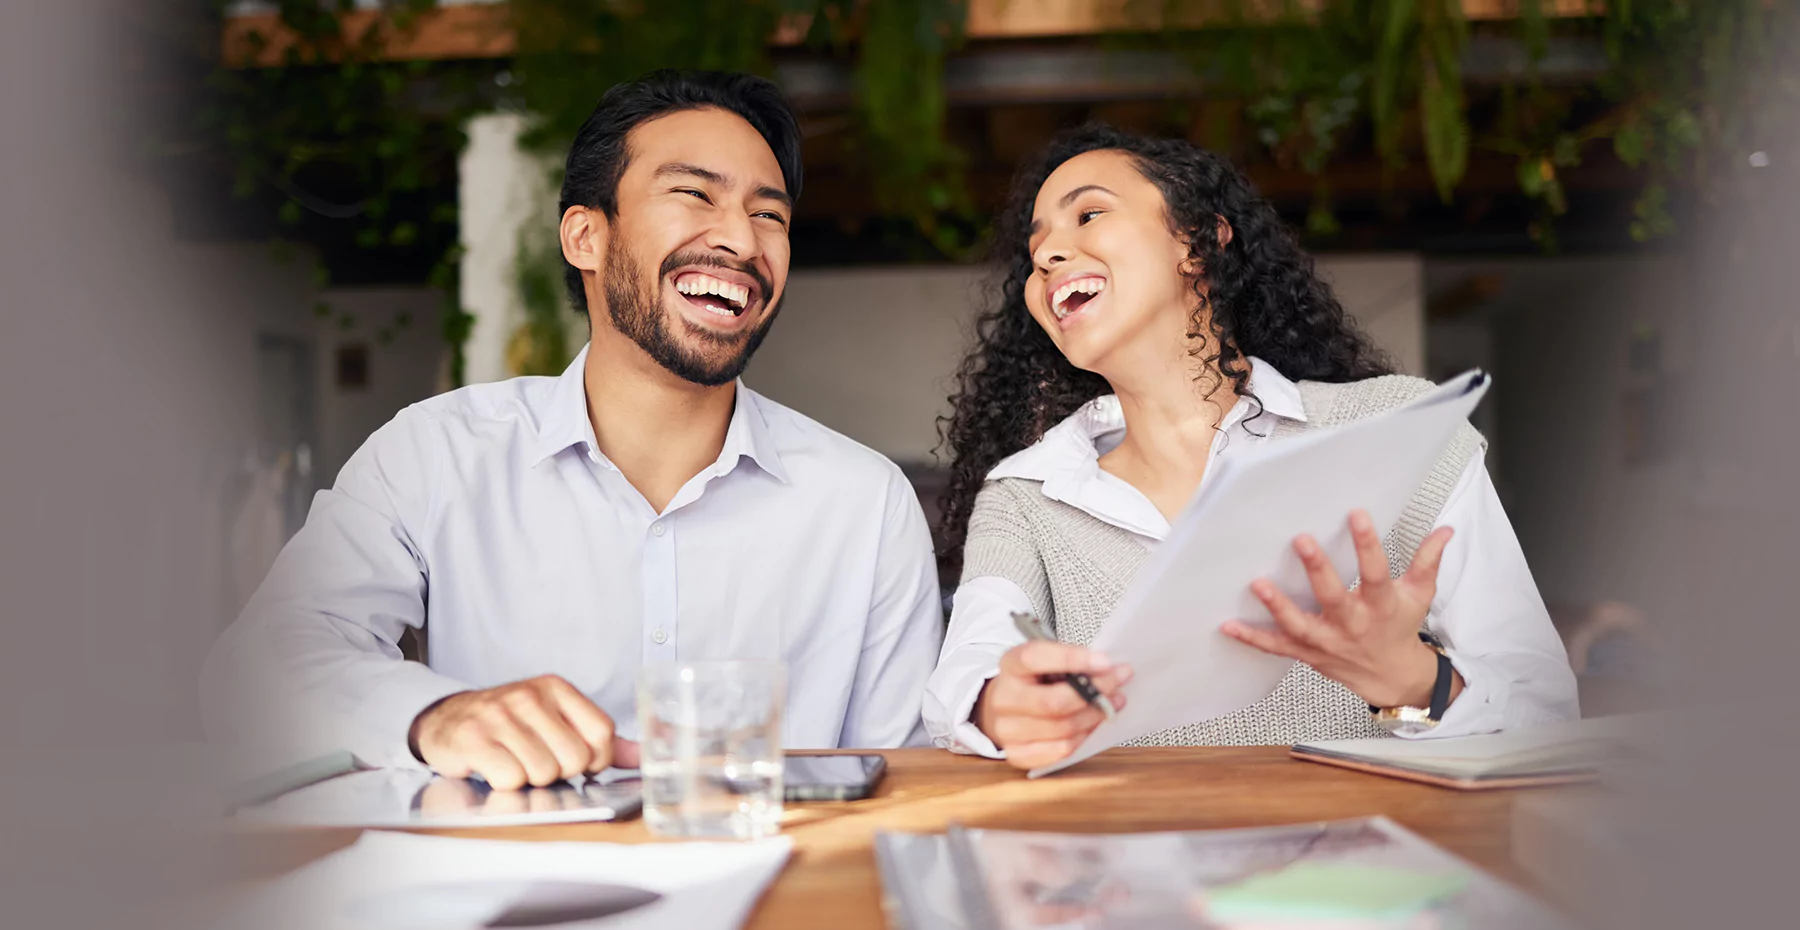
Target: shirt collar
point(564, 423)
point(1072, 448)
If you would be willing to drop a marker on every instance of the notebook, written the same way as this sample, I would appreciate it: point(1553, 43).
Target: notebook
point(1557, 753)
point(1365, 872)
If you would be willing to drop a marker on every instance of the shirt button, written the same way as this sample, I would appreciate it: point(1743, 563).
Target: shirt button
point(660, 637)
point(656, 529)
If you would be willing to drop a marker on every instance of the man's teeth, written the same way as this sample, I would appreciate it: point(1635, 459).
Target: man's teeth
point(700, 285)
point(1077, 286)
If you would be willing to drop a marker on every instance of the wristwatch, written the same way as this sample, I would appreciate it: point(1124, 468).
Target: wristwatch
point(1424, 718)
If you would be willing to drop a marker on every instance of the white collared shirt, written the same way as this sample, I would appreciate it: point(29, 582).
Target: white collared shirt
point(490, 514)
point(1487, 606)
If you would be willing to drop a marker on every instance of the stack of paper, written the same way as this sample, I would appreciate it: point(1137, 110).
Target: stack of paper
point(395, 881)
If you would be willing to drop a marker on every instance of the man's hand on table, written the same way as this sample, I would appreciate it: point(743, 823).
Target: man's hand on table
point(1038, 723)
point(532, 732)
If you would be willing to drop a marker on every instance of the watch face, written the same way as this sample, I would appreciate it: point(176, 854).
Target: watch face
point(1398, 718)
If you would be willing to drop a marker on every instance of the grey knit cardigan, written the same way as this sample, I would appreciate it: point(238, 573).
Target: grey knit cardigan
point(1074, 568)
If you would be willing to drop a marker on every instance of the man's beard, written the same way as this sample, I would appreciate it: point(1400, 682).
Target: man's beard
point(637, 311)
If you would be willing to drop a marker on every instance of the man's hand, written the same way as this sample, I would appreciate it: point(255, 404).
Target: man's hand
point(1037, 723)
point(1366, 639)
point(532, 732)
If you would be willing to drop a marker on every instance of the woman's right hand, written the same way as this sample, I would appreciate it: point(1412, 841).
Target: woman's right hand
point(1038, 723)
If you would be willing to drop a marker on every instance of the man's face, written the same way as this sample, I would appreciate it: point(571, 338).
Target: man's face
point(696, 261)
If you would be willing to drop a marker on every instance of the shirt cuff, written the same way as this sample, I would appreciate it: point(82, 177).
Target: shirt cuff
point(385, 718)
point(966, 737)
point(1475, 710)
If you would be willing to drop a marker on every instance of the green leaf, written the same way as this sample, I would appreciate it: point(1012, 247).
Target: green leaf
point(1446, 135)
point(1631, 144)
point(1531, 177)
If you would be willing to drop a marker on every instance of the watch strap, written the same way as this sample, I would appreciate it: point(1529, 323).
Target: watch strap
point(1440, 689)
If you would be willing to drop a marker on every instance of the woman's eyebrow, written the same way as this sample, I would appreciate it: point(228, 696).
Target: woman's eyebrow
point(1069, 197)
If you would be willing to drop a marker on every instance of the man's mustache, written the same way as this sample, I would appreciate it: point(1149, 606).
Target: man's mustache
point(714, 260)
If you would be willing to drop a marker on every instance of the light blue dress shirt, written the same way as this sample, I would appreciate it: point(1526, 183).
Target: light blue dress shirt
point(490, 515)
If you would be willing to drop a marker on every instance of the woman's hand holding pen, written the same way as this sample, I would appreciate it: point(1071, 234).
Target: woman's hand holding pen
point(1039, 722)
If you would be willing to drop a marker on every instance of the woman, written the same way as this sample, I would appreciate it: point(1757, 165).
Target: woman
point(1155, 316)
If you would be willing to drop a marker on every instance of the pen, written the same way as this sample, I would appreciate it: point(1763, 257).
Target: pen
point(1082, 684)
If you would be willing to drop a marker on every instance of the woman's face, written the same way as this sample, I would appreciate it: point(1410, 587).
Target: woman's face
point(1106, 282)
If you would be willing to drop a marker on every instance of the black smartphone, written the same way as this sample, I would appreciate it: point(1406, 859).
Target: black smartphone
point(846, 777)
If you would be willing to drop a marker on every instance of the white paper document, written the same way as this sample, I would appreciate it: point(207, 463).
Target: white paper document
point(395, 881)
point(1241, 526)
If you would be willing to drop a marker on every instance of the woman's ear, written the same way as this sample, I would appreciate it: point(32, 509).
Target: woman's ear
point(1222, 231)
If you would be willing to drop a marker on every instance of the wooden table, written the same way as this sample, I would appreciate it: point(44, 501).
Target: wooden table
point(831, 880)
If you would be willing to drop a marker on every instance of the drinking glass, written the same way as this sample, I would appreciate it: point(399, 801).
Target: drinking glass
point(711, 739)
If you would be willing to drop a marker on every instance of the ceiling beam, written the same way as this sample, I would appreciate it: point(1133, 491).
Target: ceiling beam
point(480, 30)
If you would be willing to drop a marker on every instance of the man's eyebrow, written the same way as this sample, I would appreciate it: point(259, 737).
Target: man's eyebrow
point(683, 168)
point(776, 194)
point(1069, 197)
point(766, 191)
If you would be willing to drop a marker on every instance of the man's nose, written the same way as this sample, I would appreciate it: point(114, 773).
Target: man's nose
point(732, 232)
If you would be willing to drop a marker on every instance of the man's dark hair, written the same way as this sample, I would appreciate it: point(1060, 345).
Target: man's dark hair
point(598, 158)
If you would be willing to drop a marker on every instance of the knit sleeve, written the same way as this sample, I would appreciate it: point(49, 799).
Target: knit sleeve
point(1000, 543)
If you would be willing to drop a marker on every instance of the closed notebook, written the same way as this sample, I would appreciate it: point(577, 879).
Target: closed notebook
point(1550, 754)
point(1366, 872)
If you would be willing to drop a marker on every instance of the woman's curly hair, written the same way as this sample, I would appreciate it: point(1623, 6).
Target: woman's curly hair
point(1261, 290)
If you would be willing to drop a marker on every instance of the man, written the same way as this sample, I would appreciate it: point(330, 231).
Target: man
point(553, 534)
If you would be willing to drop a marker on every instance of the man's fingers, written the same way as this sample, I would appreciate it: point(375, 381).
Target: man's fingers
point(1424, 569)
point(1371, 559)
point(540, 764)
point(1327, 587)
point(592, 723)
point(495, 764)
point(625, 753)
point(1042, 657)
point(573, 754)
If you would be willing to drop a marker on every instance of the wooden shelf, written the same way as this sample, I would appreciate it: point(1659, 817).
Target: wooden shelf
point(481, 30)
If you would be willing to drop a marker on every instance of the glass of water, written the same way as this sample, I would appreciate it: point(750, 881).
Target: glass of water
point(711, 739)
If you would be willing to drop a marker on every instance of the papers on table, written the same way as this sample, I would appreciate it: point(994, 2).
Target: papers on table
point(1346, 873)
point(389, 877)
point(1240, 527)
point(416, 798)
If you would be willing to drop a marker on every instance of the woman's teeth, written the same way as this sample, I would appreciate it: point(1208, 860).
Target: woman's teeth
point(701, 285)
point(1059, 302)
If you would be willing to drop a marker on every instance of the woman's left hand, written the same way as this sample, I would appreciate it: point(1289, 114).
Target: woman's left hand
point(1366, 639)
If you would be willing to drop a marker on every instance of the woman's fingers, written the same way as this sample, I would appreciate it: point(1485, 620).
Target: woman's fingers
point(1371, 559)
point(1273, 642)
point(1424, 569)
point(1016, 729)
point(1327, 587)
point(1033, 755)
point(1043, 657)
point(1307, 629)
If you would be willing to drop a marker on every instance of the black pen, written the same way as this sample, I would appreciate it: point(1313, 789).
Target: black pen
point(1082, 684)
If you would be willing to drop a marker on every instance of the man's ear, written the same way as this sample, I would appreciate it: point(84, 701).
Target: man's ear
point(583, 235)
